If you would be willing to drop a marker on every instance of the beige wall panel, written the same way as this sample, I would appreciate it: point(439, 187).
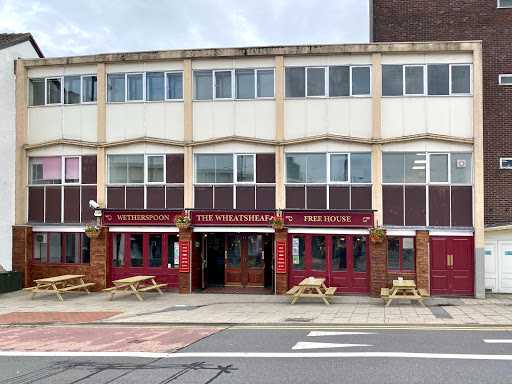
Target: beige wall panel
point(135, 120)
point(339, 117)
point(89, 123)
point(450, 58)
point(406, 146)
point(125, 67)
point(263, 62)
point(361, 117)
point(203, 120)
point(163, 148)
point(174, 121)
point(438, 115)
point(392, 117)
point(159, 66)
point(127, 149)
point(414, 116)
point(223, 119)
point(212, 64)
point(245, 118)
point(45, 72)
point(444, 146)
point(461, 116)
point(53, 126)
point(61, 150)
point(36, 125)
point(294, 118)
point(80, 70)
point(332, 146)
point(413, 58)
point(155, 120)
point(265, 122)
point(350, 59)
point(116, 122)
point(72, 122)
point(316, 117)
point(234, 147)
point(305, 61)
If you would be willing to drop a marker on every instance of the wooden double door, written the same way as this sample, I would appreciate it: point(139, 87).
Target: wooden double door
point(244, 261)
point(451, 265)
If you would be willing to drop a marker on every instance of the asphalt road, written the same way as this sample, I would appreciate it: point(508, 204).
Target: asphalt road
point(286, 355)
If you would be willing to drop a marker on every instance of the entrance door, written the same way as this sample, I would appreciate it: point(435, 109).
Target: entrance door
point(505, 267)
point(451, 266)
point(244, 258)
point(349, 264)
point(307, 254)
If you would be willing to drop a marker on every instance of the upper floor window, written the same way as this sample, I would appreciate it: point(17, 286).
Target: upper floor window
point(55, 170)
point(506, 163)
point(136, 169)
point(504, 3)
point(505, 79)
point(62, 90)
point(219, 168)
point(149, 86)
point(332, 81)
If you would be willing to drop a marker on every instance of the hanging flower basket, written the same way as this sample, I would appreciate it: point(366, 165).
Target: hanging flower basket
point(377, 235)
point(182, 221)
point(277, 222)
point(278, 226)
point(92, 235)
point(183, 225)
point(92, 231)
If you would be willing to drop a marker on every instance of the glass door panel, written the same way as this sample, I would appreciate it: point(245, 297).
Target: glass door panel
point(318, 253)
point(298, 253)
point(155, 251)
point(254, 252)
point(234, 251)
point(339, 254)
point(359, 253)
point(136, 249)
point(118, 250)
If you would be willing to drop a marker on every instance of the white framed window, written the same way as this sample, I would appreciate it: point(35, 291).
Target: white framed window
point(116, 88)
point(404, 168)
point(71, 169)
point(295, 82)
point(354, 168)
point(245, 168)
point(125, 169)
point(316, 81)
point(223, 85)
point(72, 89)
point(162, 86)
point(213, 169)
point(449, 79)
point(306, 168)
point(174, 85)
point(254, 83)
point(399, 80)
point(155, 169)
point(134, 87)
point(439, 168)
point(36, 92)
point(53, 90)
point(505, 79)
point(506, 163)
point(89, 89)
point(203, 85)
point(65, 90)
point(504, 3)
point(361, 81)
point(45, 170)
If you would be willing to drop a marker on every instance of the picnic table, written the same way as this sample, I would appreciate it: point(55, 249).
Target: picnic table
point(405, 289)
point(311, 288)
point(134, 285)
point(58, 285)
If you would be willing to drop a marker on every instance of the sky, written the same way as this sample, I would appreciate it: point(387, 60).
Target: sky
point(82, 27)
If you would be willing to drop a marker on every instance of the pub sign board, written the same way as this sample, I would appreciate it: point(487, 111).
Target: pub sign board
point(184, 256)
point(145, 217)
point(328, 218)
point(281, 257)
point(230, 218)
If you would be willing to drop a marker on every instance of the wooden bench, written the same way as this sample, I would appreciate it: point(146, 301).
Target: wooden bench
point(134, 285)
point(330, 291)
point(58, 285)
point(423, 293)
point(76, 287)
point(384, 293)
point(150, 287)
point(293, 291)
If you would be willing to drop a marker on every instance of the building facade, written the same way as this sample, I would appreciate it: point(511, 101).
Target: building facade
point(12, 46)
point(488, 21)
point(319, 135)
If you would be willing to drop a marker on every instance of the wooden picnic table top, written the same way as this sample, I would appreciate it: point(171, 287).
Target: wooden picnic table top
point(405, 284)
point(133, 279)
point(317, 282)
point(57, 279)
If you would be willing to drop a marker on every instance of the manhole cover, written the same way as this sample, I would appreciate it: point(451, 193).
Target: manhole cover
point(298, 320)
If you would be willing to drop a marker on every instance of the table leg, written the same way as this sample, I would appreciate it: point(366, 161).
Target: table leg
point(322, 296)
point(85, 288)
point(135, 292)
point(297, 295)
point(34, 293)
point(157, 288)
point(57, 292)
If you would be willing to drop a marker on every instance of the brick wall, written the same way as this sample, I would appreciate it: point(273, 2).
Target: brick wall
point(281, 278)
point(184, 279)
point(378, 267)
point(422, 241)
point(441, 20)
point(22, 252)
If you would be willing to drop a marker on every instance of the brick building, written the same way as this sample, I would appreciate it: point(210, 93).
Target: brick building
point(488, 21)
point(317, 134)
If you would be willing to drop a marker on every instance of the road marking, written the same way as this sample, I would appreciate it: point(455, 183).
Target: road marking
point(306, 345)
point(400, 327)
point(498, 341)
point(334, 333)
point(148, 355)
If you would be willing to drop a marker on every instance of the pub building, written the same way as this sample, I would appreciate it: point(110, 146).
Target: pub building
point(336, 139)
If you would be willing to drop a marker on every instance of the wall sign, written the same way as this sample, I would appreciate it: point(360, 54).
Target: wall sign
point(281, 257)
point(145, 217)
point(231, 218)
point(345, 219)
point(185, 256)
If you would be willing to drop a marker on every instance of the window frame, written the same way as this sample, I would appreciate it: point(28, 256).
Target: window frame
point(166, 85)
point(63, 249)
point(214, 84)
point(63, 173)
point(448, 182)
point(351, 81)
point(425, 90)
point(82, 90)
point(404, 153)
point(505, 75)
point(256, 97)
point(401, 270)
point(109, 183)
point(506, 159)
point(146, 169)
point(504, 7)
point(143, 87)
point(233, 162)
point(61, 79)
point(235, 168)
point(326, 84)
point(470, 80)
point(305, 182)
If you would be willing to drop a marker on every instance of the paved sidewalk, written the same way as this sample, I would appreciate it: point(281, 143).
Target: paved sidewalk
point(219, 309)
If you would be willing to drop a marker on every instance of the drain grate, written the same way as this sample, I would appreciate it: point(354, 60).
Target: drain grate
point(298, 320)
point(136, 341)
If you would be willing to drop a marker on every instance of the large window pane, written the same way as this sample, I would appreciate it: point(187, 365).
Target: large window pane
point(361, 167)
point(360, 81)
point(155, 169)
point(72, 169)
point(115, 88)
point(205, 168)
point(298, 253)
point(223, 85)
point(89, 89)
point(439, 168)
point(392, 80)
point(40, 249)
point(86, 249)
point(55, 241)
point(339, 81)
point(296, 168)
point(265, 82)
point(254, 251)
point(53, 88)
point(136, 246)
point(392, 168)
point(415, 167)
point(234, 251)
point(438, 79)
point(245, 168)
point(316, 82)
point(316, 171)
point(135, 87)
point(414, 80)
point(244, 83)
point(295, 80)
point(155, 251)
point(339, 167)
point(117, 169)
point(203, 85)
point(135, 169)
point(175, 86)
point(155, 83)
point(36, 92)
point(118, 251)
point(461, 79)
point(173, 251)
point(339, 254)
point(46, 170)
point(224, 168)
point(72, 90)
point(461, 168)
point(408, 254)
point(71, 248)
point(318, 253)
point(359, 253)
point(393, 253)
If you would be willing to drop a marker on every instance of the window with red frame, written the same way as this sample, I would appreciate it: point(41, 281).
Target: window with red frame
point(401, 254)
point(62, 248)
